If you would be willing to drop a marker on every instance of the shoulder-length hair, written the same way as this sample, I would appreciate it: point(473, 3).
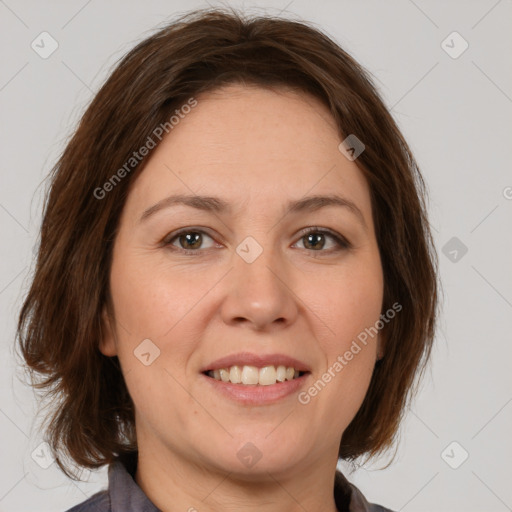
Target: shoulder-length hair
point(59, 326)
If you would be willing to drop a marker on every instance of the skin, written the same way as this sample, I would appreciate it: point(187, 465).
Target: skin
point(256, 149)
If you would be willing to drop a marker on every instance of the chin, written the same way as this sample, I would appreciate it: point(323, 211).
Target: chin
point(252, 456)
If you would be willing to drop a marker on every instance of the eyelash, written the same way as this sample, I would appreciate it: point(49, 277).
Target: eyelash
point(343, 243)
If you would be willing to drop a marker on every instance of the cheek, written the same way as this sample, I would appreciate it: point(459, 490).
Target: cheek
point(347, 303)
point(348, 308)
point(150, 299)
point(152, 310)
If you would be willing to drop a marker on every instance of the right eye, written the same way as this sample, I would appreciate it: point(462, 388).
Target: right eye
point(189, 240)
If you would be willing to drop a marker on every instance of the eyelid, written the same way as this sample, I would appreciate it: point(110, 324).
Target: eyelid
point(182, 231)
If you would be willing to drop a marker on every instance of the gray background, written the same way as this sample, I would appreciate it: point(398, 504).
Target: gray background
point(456, 114)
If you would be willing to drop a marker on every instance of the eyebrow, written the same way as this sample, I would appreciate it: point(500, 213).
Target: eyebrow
point(218, 205)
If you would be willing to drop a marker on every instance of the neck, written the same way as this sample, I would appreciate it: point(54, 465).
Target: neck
point(176, 484)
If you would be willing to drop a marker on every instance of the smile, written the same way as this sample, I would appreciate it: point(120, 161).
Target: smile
point(253, 376)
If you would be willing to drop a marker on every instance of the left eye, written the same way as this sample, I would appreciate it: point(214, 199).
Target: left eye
point(316, 237)
point(190, 241)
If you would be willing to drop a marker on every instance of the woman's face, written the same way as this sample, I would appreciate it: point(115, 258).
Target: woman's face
point(231, 272)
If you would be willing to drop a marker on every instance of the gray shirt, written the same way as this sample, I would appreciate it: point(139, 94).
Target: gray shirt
point(124, 495)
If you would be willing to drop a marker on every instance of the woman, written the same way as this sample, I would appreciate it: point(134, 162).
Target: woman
point(236, 285)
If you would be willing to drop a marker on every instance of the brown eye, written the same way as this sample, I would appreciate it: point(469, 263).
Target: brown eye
point(315, 240)
point(188, 241)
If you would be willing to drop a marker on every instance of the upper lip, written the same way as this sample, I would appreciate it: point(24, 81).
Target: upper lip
point(259, 360)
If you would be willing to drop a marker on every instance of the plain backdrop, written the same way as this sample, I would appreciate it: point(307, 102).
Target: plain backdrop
point(451, 94)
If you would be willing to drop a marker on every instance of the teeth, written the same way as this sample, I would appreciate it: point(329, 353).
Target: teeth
point(267, 376)
point(235, 374)
point(281, 373)
point(251, 375)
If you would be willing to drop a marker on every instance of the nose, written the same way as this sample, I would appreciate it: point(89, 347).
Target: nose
point(260, 294)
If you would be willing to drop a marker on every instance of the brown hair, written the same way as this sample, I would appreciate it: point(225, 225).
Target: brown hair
point(60, 327)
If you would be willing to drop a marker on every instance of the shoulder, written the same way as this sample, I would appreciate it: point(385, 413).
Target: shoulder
point(350, 498)
point(99, 502)
point(359, 503)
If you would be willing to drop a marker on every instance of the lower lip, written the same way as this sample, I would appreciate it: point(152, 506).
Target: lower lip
point(257, 394)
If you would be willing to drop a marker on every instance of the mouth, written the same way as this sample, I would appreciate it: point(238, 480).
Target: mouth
point(249, 375)
point(247, 391)
point(256, 379)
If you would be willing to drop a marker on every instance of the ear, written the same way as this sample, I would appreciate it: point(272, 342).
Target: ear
point(107, 344)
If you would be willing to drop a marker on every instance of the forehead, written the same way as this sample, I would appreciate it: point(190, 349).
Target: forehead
point(252, 144)
point(242, 121)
